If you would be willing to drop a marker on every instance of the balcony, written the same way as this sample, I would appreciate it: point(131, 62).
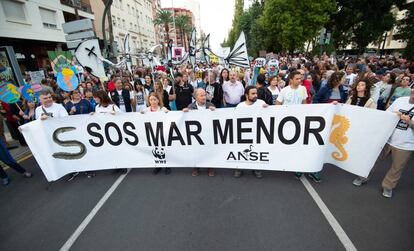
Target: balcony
point(78, 4)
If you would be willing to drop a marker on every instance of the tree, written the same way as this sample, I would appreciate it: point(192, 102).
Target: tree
point(406, 30)
point(182, 22)
point(235, 27)
point(290, 24)
point(164, 17)
point(252, 28)
point(362, 21)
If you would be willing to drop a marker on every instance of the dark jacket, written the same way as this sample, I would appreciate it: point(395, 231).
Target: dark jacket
point(325, 92)
point(125, 95)
point(218, 95)
point(193, 106)
point(264, 94)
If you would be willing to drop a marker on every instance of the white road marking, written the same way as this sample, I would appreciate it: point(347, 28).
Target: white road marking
point(92, 214)
point(343, 237)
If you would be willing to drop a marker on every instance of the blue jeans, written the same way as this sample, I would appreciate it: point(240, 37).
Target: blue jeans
point(8, 160)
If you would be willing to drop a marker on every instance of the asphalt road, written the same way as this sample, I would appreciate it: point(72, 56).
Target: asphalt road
point(180, 212)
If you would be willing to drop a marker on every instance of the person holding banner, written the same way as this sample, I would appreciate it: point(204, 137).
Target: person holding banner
point(156, 105)
point(251, 100)
point(48, 108)
point(201, 103)
point(295, 94)
point(233, 90)
point(104, 104)
point(400, 145)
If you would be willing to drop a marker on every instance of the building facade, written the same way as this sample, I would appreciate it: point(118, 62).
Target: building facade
point(159, 36)
point(174, 32)
point(191, 5)
point(34, 27)
point(136, 18)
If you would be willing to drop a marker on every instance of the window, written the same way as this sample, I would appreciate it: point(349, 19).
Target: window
point(120, 5)
point(113, 21)
point(133, 11)
point(123, 24)
point(48, 18)
point(14, 10)
point(129, 9)
point(136, 28)
point(131, 26)
point(119, 22)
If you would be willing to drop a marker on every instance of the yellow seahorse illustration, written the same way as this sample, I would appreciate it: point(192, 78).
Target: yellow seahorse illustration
point(14, 92)
point(340, 126)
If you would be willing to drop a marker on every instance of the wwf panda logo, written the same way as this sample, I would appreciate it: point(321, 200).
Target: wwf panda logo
point(158, 153)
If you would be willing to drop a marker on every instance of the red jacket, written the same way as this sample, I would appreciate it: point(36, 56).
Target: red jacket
point(111, 86)
point(306, 83)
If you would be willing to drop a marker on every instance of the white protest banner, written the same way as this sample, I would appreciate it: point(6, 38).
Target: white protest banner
point(286, 138)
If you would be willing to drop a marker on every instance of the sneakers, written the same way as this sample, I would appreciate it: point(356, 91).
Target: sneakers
point(90, 174)
point(27, 175)
point(194, 173)
point(73, 175)
point(167, 171)
point(155, 171)
point(258, 174)
point(315, 177)
point(387, 193)
point(5, 181)
point(211, 172)
point(237, 173)
point(298, 175)
point(359, 181)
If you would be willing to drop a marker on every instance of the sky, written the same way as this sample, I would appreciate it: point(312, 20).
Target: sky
point(216, 17)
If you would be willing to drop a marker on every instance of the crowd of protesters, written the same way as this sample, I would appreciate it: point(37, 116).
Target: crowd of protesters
point(377, 83)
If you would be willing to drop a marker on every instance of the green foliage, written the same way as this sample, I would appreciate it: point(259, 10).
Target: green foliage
point(235, 28)
point(406, 29)
point(183, 23)
point(291, 23)
point(286, 25)
point(164, 17)
point(280, 24)
point(361, 21)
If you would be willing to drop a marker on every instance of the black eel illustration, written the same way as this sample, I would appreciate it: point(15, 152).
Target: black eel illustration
point(68, 143)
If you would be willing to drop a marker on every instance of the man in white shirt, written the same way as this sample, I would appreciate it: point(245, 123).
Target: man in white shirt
point(201, 103)
point(400, 145)
point(233, 90)
point(49, 109)
point(294, 93)
point(251, 101)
